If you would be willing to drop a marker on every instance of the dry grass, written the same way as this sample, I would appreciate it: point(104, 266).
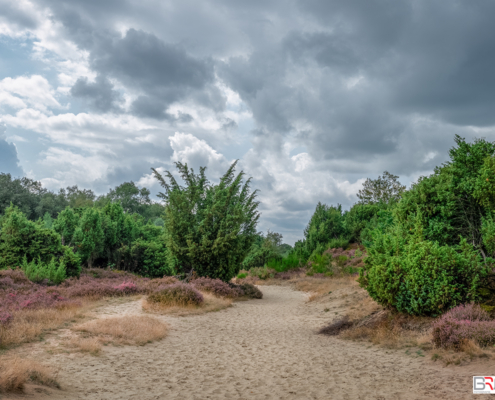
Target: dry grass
point(467, 352)
point(319, 287)
point(28, 325)
point(129, 329)
point(392, 330)
point(211, 303)
point(86, 345)
point(16, 372)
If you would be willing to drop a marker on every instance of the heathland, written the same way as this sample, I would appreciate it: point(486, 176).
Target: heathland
point(119, 296)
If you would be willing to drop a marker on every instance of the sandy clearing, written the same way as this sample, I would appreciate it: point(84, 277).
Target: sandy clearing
point(258, 349)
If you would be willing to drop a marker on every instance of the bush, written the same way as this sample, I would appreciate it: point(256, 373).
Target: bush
point(52, 272)
point(251, 291)
point(469, 322)
point(177, 294)
point(284, 264)
point(338, 243)
point(217, 287)
point(420, 277)
point(242, 275)
point(262, 272)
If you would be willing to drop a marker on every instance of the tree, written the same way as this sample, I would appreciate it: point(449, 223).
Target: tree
point(384, 189)
point(21, 238)
point(66, 224)
point(326, 223)
point(209, 228)
point(132, 200)
point(89, 236)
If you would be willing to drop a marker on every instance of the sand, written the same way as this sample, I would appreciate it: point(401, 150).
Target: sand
point(257, 349)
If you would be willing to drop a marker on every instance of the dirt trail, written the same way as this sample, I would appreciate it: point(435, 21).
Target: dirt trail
point(258, 349)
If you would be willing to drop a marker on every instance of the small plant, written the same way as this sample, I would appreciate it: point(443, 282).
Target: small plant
point(217, 287)
point(177, 294)
point(262, 273)
point(435, 357)
point(464, 322)
point(242, 275)
point(251, 291)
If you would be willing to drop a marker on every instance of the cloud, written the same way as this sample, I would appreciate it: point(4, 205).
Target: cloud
point(197, 153)
point(99, 94)
point(9, 162)
point(313, 96)
point(34, 91)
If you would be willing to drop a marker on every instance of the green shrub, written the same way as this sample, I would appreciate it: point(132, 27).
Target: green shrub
point(242, 275)
point(262, 272)
point(339, 243)
point(419, 276)
point(39, 271)
point(284, 264)
point(321, 264)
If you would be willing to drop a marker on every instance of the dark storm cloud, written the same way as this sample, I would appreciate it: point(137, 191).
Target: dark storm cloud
point(163, 73)
point(100, 94)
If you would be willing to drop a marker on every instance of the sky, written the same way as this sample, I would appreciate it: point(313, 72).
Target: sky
point(312, 97)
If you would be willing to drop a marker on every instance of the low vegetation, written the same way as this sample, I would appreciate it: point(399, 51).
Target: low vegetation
point(128, 329)
point(15, 373)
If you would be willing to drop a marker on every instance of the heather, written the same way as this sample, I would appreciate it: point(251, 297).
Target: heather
point(462, 323)
point(176, 294)
point(217, 287)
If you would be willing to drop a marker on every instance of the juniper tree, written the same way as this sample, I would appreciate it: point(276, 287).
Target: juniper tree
point(209, 228)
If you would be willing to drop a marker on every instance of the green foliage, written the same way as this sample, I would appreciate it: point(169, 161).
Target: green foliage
point(38, 271)
point(133, 201)
point(384, 189)
point(47, 220)
point(284, 264)
point(209, 228)
point(418, 276)
point(241, 275)
point(320, 264)
point(89, 236)
point(327, 223)
point(262, 272)
point(269, 249)
point(360, 219)
point(21, 238)
point(339, 243)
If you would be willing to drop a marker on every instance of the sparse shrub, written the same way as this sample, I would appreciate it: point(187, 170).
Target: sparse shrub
point(16, 372)
point(262, 273)
point(217, 287)
point(465, 322)
point(177, 294)
point(336, 327)
point(251, 291)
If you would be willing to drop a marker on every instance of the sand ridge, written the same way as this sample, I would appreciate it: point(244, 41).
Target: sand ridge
point(257, 349)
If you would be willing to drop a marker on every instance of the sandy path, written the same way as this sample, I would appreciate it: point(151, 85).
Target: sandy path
point(258, 349)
